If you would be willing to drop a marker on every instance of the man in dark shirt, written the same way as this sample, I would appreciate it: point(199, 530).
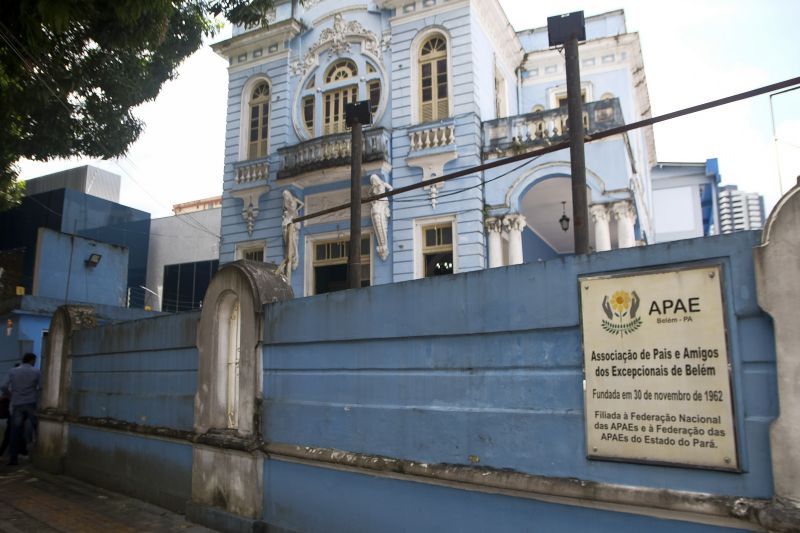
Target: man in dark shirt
point(23, 384)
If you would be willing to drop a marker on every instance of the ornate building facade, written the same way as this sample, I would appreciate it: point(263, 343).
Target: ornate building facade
point(451, 85)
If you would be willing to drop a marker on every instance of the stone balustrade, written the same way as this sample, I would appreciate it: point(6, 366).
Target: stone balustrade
point(331, 151)
point(541, 128)
point(251, 171)
point(432, 136)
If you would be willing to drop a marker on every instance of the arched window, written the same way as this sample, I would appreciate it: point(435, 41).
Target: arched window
point(258, 133)
point(433, 89)
point(341, 70)
point(342, 76)
point(321, 99)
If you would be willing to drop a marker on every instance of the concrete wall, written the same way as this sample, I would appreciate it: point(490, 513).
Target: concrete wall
point(476, 376)
point(61, 270)
point(453, 403)
point(777, 261)
point(128, 406)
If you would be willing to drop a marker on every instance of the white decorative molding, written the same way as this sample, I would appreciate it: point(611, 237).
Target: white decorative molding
point(250, 198)
point(501, 33)
point(432, 167)
point(252, 172)
point(291, 231)
point(381, 212)
point(299, 68)
point(625, 215)
point(599, 213)
point(624, 210)
point(269, 40)
point(494, 227)
point(386, 41)
point(513, 225)
point(337, 40)
point(602, 232)
point(433, 137)
point(514, 222)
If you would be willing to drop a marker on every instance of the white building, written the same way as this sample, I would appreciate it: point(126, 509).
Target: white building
point(685, 200)
point(739, 210)
point(182, 257)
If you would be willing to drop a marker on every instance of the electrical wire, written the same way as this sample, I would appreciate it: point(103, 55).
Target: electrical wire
point(464, 189)
point(562, 145)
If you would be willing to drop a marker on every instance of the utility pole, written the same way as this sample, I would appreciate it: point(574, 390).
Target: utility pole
point(567, 30)
point(356, 114)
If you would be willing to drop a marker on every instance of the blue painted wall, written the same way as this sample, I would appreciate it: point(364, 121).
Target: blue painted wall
point(534, 248)
point(73, 212)
point(61, 271)
point(154, 470)
point(351, 502)
point(24, 336)
point(101, 220)
point(486, 364)
point(141, 372)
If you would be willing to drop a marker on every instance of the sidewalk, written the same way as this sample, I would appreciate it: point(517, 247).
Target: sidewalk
point(35, 501)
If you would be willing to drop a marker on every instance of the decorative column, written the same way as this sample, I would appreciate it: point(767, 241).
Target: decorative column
point(602, 233)
point(493, 229)
point(514, 224)
point(625, 216)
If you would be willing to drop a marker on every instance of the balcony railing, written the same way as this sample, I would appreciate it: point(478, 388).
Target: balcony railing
point(542, 128)
point(433, 135)
point(331, 151)
point(250, 171)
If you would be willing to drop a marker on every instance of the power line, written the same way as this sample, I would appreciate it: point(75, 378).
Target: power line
point(463, 189)
point(562, 145)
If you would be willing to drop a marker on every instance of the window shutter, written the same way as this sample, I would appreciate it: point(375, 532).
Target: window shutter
point(427, 111)
point(442, 108)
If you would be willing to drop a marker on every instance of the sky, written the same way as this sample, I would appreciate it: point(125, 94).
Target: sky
point(694, 51)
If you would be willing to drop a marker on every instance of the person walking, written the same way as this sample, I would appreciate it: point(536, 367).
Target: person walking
point(23, 384)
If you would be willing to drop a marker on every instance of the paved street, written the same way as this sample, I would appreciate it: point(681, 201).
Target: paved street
point(34, 501)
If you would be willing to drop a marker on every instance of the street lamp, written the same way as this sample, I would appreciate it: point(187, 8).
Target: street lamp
point(564, 220)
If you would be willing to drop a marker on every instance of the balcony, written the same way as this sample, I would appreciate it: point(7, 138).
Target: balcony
point(524, 132)
point(432, 135)
point(331, 151)
point(251, 171)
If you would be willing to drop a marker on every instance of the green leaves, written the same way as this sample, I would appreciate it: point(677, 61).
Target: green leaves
point(70, 72)
point(622, 329)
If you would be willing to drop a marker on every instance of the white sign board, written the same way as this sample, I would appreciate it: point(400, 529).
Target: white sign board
point(656, 366)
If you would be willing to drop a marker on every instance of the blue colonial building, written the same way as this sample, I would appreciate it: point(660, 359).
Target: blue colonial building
point(451, 85)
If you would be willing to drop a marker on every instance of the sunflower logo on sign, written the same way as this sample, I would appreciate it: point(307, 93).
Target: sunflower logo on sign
point(621, 311)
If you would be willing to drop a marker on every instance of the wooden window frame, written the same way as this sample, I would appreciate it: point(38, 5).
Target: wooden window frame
point(311, 261)
point(420, 248)
point(333, 103)
point(258, 120)
point(245, 248)
point(433, 74)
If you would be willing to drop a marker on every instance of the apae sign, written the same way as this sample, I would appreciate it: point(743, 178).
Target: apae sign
point(656, 367)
